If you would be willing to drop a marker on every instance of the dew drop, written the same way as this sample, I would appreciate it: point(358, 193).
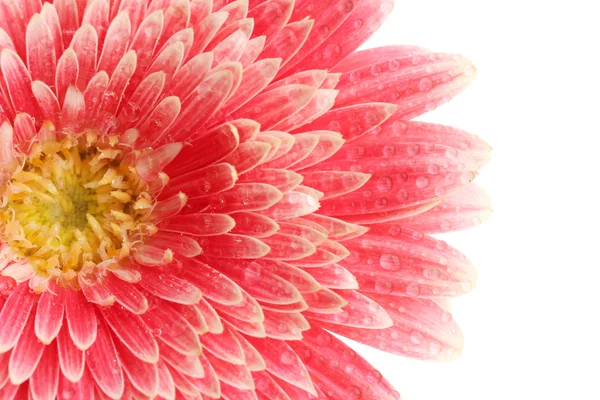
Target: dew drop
point(433, 169)
point(384, 184)
point(383, 286)
point(435, 348)
point(413, 149)
point(425, 84)
point(422, 182)
point(416, 337)
point(413, 290)
point(390, 262)
point(288, 358)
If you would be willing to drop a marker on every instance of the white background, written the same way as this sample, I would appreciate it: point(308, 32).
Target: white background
point(532, 324)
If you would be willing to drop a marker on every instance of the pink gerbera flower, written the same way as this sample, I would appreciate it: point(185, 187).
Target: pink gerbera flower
point(195, 193)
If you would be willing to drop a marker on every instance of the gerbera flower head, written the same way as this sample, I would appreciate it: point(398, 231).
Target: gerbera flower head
point(195, 194)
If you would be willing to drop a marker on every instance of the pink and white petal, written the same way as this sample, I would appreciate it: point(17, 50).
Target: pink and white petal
point(83, 389)
point(293, 204)
point(26, 355)
point(270, 17)
point(271, 107)
point(185, 364)
point(224, 346)
point(177, 17)
point(94, 94)
point(193, 316)
point(462, 209)
point(284, 325)
point(135, 9)
point(150, 163)
point(14, 316)
point(43, 384)
point(248, 310)
point(203, 182)
point(245, 197)
point(213, 321)
point(252, 50)
point(67, 73)
point(115, 44)
point(142, 375)
point(302, 280)
point(172, 328)
point(416, 83)
point(248, 155)
point(190, 75)
point(47, 101)
point(214, 285)
point(283, 362)
point(142, 101)
point(397, 254)
point(18, 83)
point(175, 242)
point(335, 228)
point(329, 143)
point(132, 333)
point(362, 58)
point(169, 207)
point(207, 149)
point(355, 120)
point(232, 374)
point(166, 386)
point(209, 224)
point(299, 149)
point(254, 329)
point(360, 312)
point(81, 318)
point(103, 363)
point(232, 393)
point(254, 79)
point(205, 31)
point(355, 29)
point(284, 180)
point(267, 388)
point(335, 183)
point(96, 15)
point(154, 127)
point(24, 125)
point(209, 385)
point(41, 56)
point(252, 224)
point(70, 358)
point(169, 287)
point(49, 315)
point(319, 104)
point(334, 276)
point(317, 350)
point(252, 357)
point(324, 301)
point(233, 246)
point(119, 80)
point(73, 109)
point(202, 103)
point(7, 151)
point(85, 45)
point(126, 294)
point(288, 41)
point(168, 61)
point(68, 15)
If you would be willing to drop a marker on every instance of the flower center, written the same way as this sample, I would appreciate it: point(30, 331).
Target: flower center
point(75, 200)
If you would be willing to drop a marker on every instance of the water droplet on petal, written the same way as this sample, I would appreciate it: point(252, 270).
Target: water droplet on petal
point(425, 84)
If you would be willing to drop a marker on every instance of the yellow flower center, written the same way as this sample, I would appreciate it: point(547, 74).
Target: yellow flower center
point(74, 201)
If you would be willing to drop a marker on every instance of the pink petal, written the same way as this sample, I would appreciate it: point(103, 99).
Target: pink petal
point(214, 285)
point(41, 56)
point(71, 359)
point(204, 182)
point(171, 328)
point(81, 318)
point(213, 321)
point(83, 389)
point(26, 355)
point(270, 17)
point(115, 44)
point(248, 155)
point(18, 83)
point(14, 315)
point(246, 197)
point(205, 31)
point(225, 346)
point(96, 15)
point(273, 106)
point(49, 316)
point(169, 287)
point(132, 332)
point(47, 101)
point(102, 361)
point(68, 15)
point(150, 164)
point(166, 387)
point(67, 73)
point(293, 204)
point(142, 375)
point(160, 120)
point(251, 224)
point(317, 350)
point(248, 310)
point(126, 294)
point(284, 363)
point(288, 41)
point(187, 365)
point(43, 384)
point(233, 246)
point(235, 375)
